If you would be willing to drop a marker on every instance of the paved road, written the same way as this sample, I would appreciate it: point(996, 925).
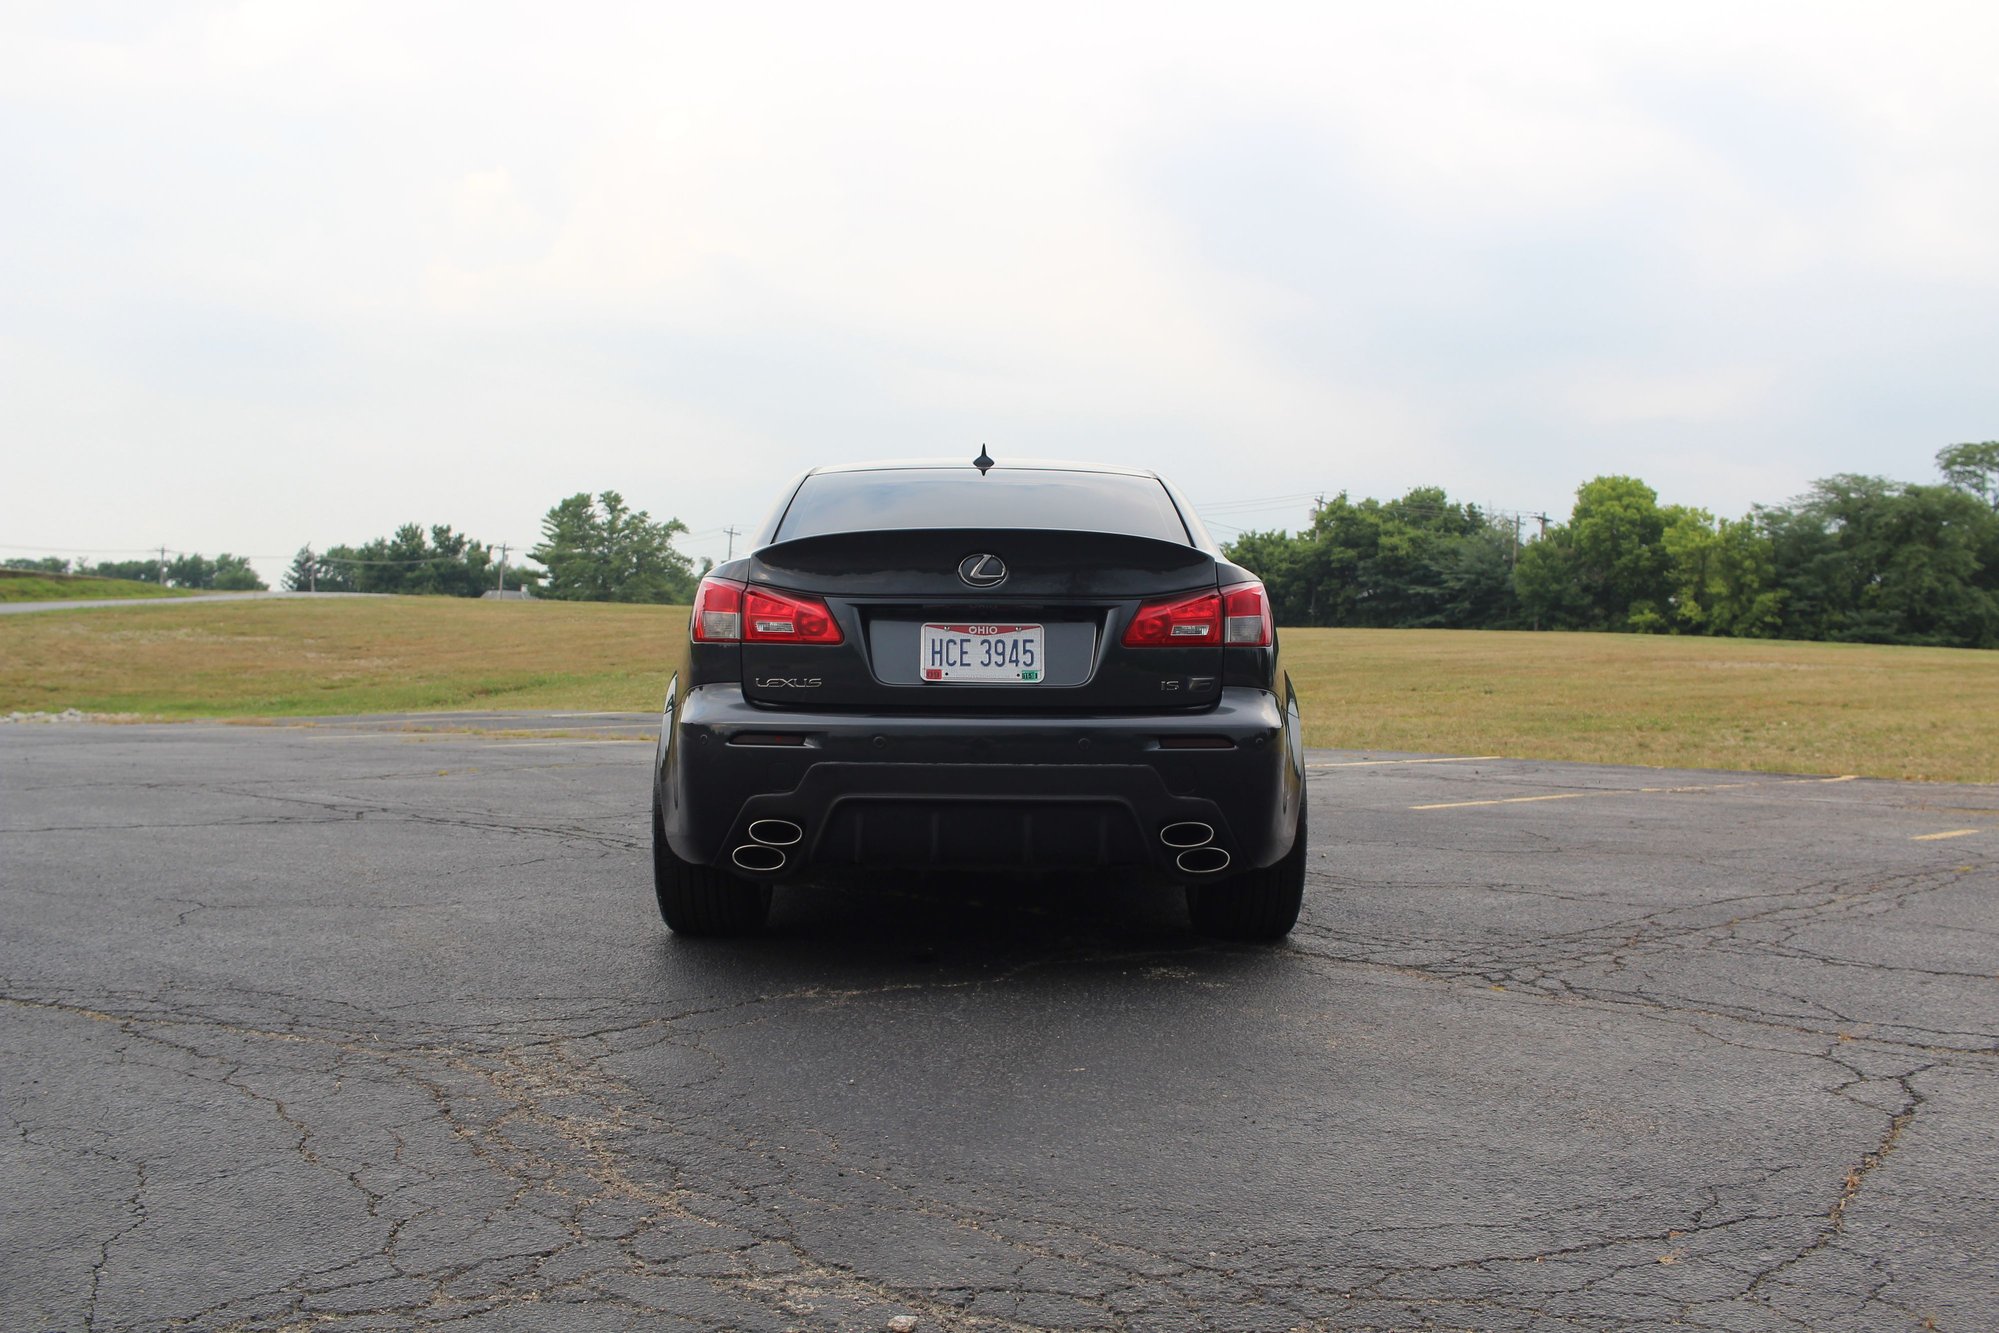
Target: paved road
point(360, 1029)
point(90, 604)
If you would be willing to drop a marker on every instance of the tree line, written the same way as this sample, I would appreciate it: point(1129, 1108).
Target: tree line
point(1855, 558)
point(593, 549)
point(225, 573)
point(410, 560)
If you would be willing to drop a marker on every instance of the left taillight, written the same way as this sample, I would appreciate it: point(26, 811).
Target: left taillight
point(718, 611)
point(729, 612)
point(781, 617)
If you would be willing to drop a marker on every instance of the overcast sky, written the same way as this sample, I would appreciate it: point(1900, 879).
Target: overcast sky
point(276, 273)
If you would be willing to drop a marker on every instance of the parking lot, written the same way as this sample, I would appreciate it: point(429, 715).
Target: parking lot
point(353, 1026)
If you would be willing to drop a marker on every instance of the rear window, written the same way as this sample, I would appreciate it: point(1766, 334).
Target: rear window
point(886, 498)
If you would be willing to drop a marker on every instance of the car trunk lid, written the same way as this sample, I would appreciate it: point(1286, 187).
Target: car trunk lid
point(1081, 589)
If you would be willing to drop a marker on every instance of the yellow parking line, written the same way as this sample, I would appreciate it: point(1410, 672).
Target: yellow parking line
point(1939, 837)
point(1448, 759)
point(1514, 800)
point(1578, 795)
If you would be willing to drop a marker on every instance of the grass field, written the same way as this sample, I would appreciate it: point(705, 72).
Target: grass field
point(25, 586)
point(1929, 713)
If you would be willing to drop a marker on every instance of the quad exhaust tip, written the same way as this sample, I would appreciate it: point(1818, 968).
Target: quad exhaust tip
point(751, 856)
point(1202, 860)
point(1189, 833)
point(775, 832)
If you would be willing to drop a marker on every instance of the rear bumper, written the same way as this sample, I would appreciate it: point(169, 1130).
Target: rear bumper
point(1026, 793)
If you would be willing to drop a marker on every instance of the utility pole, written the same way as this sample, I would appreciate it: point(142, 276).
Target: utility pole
point(163, 566)
point(311, 571)
point(1544, 522)
point(732, 543)
point(1514, 559)
point(504, 548)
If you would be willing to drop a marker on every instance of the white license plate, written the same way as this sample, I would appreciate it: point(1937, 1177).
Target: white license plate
point(1010, 653)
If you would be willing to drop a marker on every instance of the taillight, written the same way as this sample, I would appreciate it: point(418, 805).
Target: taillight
point(1238, 615)
point(1246, 616)
point(729, 612)
point(776, 617)
point(718, 611)
point(1186, 623)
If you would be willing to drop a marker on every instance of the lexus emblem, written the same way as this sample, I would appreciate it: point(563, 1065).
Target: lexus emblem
point(982, 570)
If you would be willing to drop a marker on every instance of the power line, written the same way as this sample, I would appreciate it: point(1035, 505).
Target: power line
point(92, 550)
point(1279, 501)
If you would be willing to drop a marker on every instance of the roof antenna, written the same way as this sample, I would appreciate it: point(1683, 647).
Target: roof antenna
point(983, 461)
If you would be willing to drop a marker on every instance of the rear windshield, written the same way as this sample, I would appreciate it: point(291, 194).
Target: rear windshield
point(958, 497)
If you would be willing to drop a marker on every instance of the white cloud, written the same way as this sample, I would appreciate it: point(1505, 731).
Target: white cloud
point(1617, 396)
point(1270, 248)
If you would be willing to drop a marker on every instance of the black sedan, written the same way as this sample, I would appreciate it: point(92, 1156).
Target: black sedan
point(941, 666)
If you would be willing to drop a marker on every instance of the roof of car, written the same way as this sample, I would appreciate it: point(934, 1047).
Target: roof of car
point(999, 464)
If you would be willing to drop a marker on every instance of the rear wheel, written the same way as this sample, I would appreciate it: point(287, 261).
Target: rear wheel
point(1257, 904)
point(701, 900)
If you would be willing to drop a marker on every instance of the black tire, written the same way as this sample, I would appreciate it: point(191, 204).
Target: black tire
point(701, 900)
point(1256, 904)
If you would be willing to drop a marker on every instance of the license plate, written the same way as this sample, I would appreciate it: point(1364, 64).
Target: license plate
point(1010, 653)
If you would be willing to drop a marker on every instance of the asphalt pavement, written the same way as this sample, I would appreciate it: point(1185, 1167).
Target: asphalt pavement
point(93, 603)
point(372, 1024)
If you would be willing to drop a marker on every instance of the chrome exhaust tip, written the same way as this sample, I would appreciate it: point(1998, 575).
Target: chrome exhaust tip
point(750, 856)
point(775, 832)
point(1202, 860)
point(1188, 833)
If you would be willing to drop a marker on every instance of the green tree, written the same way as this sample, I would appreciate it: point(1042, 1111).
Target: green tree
point(140, 571)
point(1871, 560)
point(1283, 561)
point(602, 550)
point(232, 573)
point(410, 561)
point(1478, 578)
point(1973, 468)
point(1720, 576)
point(1619, 533)
point(308, 573)
point(1421, 560)
point(1547, 579)
point(190, 569)
point(339, 567)
point(1606, 568)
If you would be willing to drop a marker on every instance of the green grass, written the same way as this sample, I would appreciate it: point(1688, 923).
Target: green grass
point(27, 586)
point(1776, 706)
point(1928, 713)
point(347, 655)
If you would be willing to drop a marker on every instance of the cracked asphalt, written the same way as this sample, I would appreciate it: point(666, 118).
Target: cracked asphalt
point(352, 1027)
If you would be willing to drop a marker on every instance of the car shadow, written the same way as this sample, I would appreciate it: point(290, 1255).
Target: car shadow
point(862, 932)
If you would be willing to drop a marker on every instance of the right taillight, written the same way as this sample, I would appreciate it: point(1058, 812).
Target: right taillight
point(1246, 616)
point(1238, 616)
point(1186, 622)
point(718, 611)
